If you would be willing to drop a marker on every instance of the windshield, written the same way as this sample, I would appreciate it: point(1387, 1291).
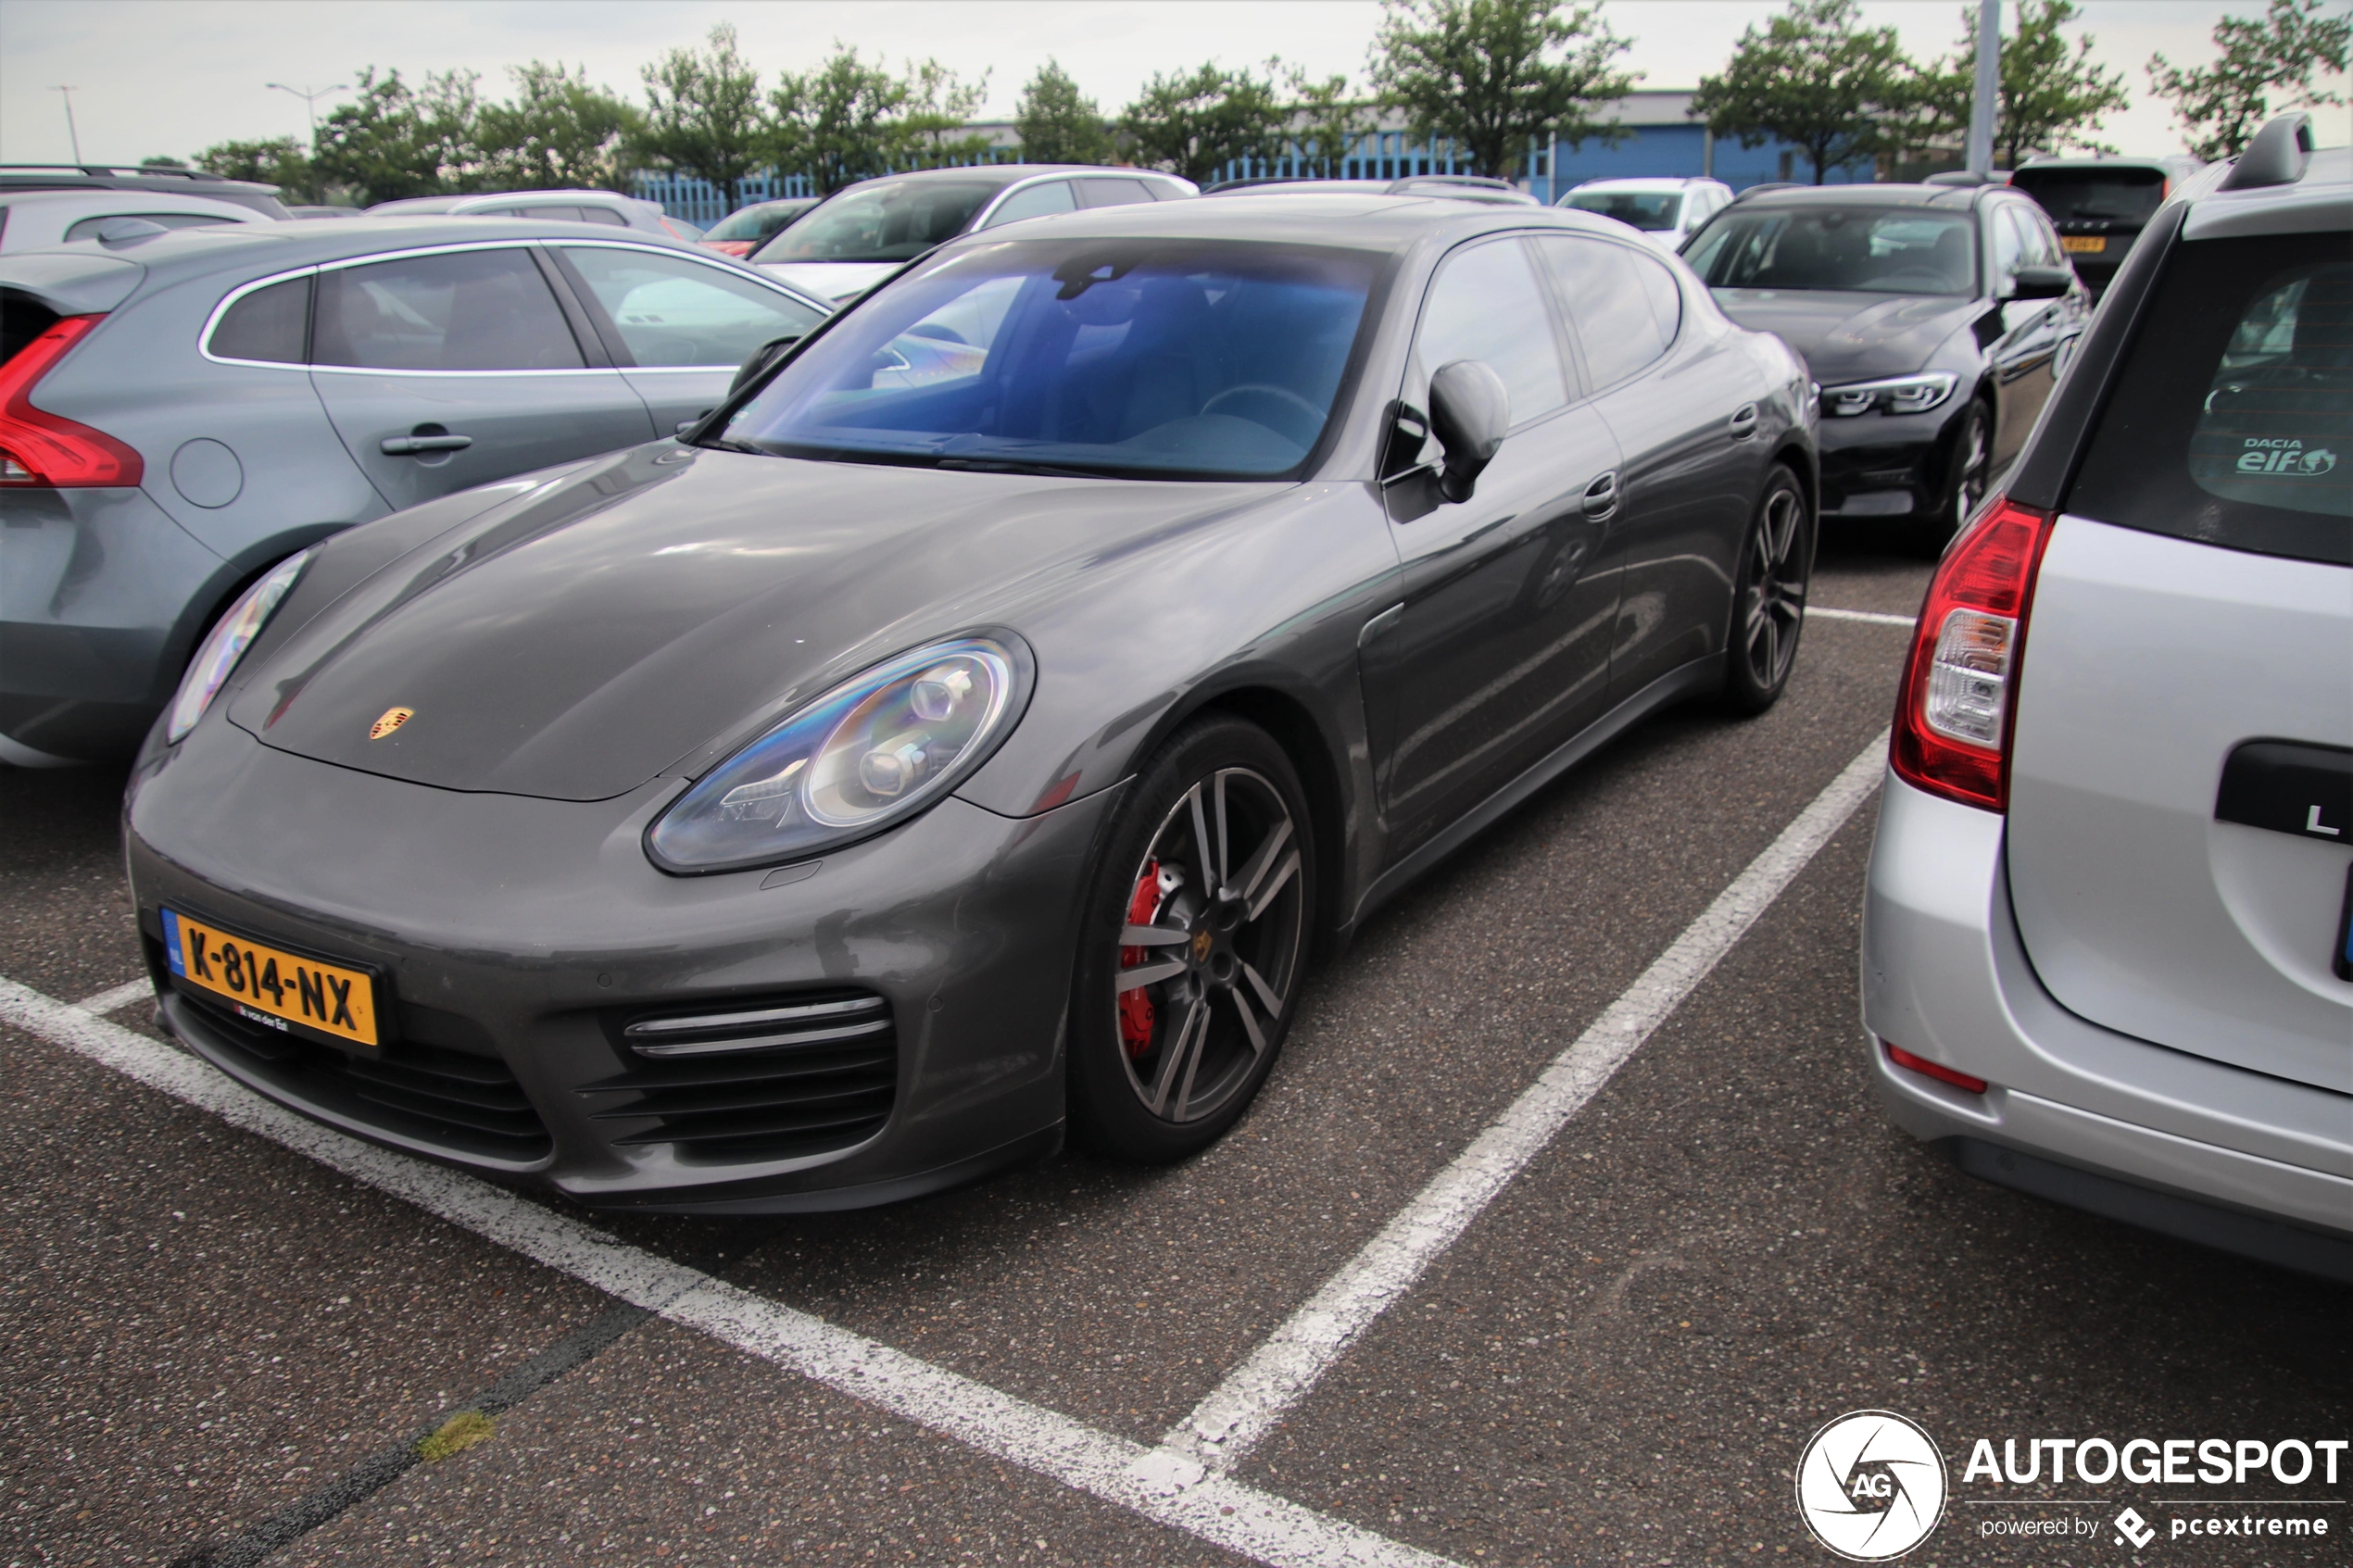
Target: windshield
point(1117, 357)
point(1654, 211)
point(1875, 250)
point(755, 222)
point(2094, 195)
point(888, 220)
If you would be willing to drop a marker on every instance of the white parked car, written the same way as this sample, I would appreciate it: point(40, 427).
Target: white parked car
point(2105, 940)
point(44, 220)
point(1667, 211)
point(608, 207)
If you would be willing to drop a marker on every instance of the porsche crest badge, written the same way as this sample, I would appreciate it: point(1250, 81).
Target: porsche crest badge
point(393, 718)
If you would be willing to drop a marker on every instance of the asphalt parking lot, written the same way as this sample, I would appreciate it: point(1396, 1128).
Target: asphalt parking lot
point(1617, 1360)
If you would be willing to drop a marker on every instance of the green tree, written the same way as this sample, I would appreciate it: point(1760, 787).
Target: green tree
point(163, 160)
point(2224, 104)
point(704, 117)
point(839, 123)
point(1815, 78)
point(1192, 124)
point(2050, 97)
point(558, 132)
point(939, 104)
point(279, 162)
point(1327, 121)
point(1492, 75)
point(1057, 123)
point(396, 141)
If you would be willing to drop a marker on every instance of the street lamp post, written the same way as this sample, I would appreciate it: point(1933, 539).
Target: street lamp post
point(71, 134)
point(1986, 102)
point(309, 96)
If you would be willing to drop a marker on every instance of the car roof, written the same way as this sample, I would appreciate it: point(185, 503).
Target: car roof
point(2169, 165)
point(1947, 196)
point(110, 195)
point(1644, 183)
point(2319, 200)
point(1344, 219)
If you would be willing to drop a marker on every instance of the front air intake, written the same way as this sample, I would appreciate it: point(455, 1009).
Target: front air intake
point(761, 1079)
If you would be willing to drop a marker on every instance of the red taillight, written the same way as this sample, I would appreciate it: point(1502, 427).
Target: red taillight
point(1936, 1069)
point(1959, 700)
point(39, 447)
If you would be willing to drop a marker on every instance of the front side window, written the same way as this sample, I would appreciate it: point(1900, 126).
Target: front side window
point(1486, 306)
point(1653, 210)
point(460, 310)
point(888, 220)
point(673, 310)
point(755, 223)
point(2231, 421)
point(1872, 250)
point(1147, 359)
point(1626, 307)
point(1035, 201)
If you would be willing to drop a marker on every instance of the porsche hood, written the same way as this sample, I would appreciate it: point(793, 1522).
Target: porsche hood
point(1847, 336)
point(657, 609)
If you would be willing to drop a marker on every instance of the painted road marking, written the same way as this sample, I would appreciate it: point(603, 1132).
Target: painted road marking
point(1163, 1486)
point(116, 998)
point(1821, 612)
point(1239, 1411)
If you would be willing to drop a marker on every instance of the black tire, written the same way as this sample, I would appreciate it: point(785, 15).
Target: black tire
point(1968, 468)
point(1768, 596)
point(1158, 1081)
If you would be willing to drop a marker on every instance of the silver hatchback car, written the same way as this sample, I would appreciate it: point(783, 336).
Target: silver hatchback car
point(2104, 943)
point(179, 412)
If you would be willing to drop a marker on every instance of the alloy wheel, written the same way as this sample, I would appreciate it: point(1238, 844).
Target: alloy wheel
point(1773, 599)
point(1210, 946)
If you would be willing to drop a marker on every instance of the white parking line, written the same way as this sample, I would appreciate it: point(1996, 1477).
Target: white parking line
point(1163, 1486)
point(115, 998)
point(1822, 612)
point(1240, 1411)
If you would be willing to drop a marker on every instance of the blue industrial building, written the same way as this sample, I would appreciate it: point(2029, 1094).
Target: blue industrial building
point(1663, 139)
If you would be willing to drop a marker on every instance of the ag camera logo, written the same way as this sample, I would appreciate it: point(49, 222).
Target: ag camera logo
point(1871, 1486)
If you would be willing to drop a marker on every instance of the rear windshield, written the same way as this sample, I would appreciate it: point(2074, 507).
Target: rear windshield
point(1870, 250)
point(1118, 358)
point(891, 221)
point(2129, 196)
point(2232, 423)
point(1654, 211)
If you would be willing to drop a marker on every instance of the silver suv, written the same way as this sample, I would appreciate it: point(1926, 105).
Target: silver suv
point(2104, 943)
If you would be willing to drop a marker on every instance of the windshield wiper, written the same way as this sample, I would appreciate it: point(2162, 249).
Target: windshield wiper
point(721, 444)
point(1007, 465)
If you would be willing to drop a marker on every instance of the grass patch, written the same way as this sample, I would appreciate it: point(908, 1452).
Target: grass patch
point(457, 1434)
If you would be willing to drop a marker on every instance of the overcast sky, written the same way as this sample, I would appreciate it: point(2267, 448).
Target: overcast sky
point(175, 76)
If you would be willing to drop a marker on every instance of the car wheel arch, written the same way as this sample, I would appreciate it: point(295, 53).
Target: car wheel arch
point(234, 575)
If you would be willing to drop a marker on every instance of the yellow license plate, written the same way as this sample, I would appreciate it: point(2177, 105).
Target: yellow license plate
point(2089, 243)
point(271, 986)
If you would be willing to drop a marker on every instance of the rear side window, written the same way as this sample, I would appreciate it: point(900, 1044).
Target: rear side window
point(462, 311)
point(1035, 201)
point(602, 215)
point(2232, 423)
point(1101, 191)
point(1626, 307)
point(267, 324)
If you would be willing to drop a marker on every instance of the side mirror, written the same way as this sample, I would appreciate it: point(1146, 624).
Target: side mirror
point(1469, 411)
point(2041, 282)
point(761, 357)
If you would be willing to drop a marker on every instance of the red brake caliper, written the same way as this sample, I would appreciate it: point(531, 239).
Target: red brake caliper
point(1135, 1007)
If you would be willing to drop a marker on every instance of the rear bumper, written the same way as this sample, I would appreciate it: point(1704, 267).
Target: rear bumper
point(2084, 1115)
point(95, 590)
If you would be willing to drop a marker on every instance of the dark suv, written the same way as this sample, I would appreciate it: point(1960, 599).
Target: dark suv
point(263, 199)
point(2099, 204)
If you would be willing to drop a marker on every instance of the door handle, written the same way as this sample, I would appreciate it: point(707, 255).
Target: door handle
point(410, 445)
point(1601, 496)
point(1745, 421)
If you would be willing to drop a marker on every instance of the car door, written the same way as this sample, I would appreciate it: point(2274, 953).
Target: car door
point(1685, 410)
point(452, 368)
point(2024, 353)
point(1499, 648)
point(677, 325)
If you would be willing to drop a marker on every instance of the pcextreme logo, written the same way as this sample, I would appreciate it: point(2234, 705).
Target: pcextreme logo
point(1871, 1486)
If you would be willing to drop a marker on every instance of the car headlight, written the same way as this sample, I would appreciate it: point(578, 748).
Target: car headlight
point(874, 751)
point(231, 635)
point(1898, 395)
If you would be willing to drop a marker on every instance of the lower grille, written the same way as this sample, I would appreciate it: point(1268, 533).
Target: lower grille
point(773, 1078)
point(467, 1104)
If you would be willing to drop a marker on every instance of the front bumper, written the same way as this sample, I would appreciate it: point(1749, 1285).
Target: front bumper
point(2072, 1111)
point(518, 937)
point(95, 590)
point(1884, 467)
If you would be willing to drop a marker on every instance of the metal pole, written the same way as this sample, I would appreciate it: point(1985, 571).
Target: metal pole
point(309, 96)
point(71, 134)
point(1987, 102)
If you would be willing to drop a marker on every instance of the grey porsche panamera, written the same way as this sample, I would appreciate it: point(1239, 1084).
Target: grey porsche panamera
point(975, 727)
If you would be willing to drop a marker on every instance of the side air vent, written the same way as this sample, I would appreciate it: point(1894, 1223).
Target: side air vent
point(759, 1080)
